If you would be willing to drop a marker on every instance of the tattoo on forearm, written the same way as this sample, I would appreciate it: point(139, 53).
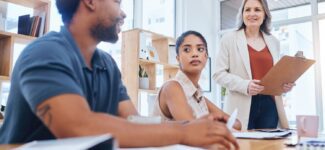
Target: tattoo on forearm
point(45, 115)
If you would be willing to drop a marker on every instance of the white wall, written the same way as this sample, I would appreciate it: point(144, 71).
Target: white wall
point(201, 16)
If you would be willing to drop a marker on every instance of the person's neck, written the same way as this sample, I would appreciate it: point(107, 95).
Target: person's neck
point(253, 33)
point(194, 77)
point(86, 43)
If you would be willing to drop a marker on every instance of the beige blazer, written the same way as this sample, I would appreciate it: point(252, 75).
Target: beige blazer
point(233, 72)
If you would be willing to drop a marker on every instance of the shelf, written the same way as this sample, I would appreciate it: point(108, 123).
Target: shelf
point(4, 78)
point(29, 3)
point(170, 66)
point(144, 61)
point(155, 36)
point(149, 91)
point(150, 62)
point(17, 37)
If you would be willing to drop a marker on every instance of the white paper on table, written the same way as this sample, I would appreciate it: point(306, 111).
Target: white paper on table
point(170, 147)
point(261, 135)
point(77, 143)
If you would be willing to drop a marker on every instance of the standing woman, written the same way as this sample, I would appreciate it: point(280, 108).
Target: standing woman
point(245, 56)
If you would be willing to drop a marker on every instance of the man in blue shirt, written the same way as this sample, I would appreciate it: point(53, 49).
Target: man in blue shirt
point(63, 86)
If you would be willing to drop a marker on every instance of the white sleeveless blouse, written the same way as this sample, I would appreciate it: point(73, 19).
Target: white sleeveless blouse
point(194, 98)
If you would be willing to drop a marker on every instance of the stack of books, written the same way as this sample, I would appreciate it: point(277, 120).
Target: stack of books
point(32, 26)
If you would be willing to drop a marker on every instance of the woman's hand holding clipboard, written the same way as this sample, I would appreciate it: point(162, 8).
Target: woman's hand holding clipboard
point(287, 70)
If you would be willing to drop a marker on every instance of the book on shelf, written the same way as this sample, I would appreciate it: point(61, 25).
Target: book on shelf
point(32, 23)
point(24, 24)
point(38, 28)
point(32, 26)
point(42, 24)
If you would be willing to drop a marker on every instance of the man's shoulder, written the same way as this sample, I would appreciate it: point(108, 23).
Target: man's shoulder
point(52, 40)
point(49, 46)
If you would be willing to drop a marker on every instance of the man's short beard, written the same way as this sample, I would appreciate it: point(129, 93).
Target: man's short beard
point(106, 34)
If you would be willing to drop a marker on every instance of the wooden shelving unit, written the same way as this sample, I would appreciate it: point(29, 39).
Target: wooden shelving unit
point(131, 62)
point(7, 39)
point(4, 78)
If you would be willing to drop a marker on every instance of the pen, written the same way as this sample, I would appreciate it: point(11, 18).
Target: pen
point(232, 119)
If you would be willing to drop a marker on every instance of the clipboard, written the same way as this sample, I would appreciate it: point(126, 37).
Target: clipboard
point(287, 70)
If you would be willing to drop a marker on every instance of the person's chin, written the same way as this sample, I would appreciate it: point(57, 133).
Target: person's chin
point(195, 69)
point(255, 24)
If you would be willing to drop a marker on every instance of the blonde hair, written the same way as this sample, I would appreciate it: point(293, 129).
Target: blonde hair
point(266, 25)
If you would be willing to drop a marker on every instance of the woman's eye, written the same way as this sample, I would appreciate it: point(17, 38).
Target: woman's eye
point(186, 49)
point(201, 49)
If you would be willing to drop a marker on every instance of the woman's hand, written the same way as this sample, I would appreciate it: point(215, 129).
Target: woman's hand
point(237, 125)
point(288, 87)
point(254, 88)
point(224, 118)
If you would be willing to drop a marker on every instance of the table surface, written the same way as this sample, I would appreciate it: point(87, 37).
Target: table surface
point(245, 144)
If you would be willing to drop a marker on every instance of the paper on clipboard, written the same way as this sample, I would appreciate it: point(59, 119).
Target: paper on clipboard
point(287, 70)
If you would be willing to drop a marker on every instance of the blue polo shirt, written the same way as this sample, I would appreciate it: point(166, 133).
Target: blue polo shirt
point(53, 65)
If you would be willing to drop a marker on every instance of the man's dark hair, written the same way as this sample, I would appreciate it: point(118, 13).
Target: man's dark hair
point(67, 9)
point(181, 38)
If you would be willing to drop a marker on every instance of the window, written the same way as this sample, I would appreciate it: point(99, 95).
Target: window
point(56, 21)
point(229, 10)
point(321, 6)
point(159, 16)
point(322, 58)
point(291, 13)
point(18, 48)
point(4, 93)
point(293, 38)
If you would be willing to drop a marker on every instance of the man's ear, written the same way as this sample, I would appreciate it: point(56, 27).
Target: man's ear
point(90, 4)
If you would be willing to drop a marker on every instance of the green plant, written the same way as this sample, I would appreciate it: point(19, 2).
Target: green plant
point(223, 91)
point(142, 73)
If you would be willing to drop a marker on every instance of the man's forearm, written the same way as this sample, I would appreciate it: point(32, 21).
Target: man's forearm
point(70, 116)
point(129, 134)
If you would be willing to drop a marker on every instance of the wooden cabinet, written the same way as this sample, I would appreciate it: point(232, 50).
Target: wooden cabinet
point(131, 43)
point(9, 39)
point(12, 43)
